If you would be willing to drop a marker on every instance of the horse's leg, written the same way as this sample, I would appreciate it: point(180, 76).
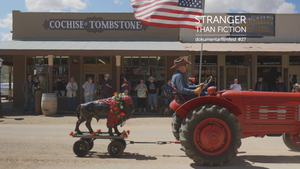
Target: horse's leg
point(116, 130)
point(81, 120)
point(88, 125)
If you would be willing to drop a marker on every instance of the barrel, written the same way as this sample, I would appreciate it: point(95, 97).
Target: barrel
point(49, 104)
point(38, 96)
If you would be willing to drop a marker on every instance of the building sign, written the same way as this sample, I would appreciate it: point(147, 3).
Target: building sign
point(256, 25)
point(93, 24)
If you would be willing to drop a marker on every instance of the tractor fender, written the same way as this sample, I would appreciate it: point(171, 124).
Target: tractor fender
point(187, 107)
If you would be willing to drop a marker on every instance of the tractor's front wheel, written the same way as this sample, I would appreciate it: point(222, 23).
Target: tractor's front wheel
point(292, 141)
point(210, 135)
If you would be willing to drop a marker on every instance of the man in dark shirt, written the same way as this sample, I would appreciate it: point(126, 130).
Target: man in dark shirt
point(107, 86)
point(153, 92)
point(280, 86)
point(261, 85)
point(180, 83)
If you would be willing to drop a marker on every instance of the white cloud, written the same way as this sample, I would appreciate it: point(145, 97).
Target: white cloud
point(6, 22)
point(6, 37)
point(55, 5)
point(253, 6)
point(118, 2)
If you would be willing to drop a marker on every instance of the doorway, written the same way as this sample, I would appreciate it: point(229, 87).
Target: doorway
point(96, 67)
point(240, 73)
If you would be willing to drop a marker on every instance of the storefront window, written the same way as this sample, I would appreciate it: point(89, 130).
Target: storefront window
point(38, 66)
point(235, 60)
point(60, 75)
point(103, 60)
point(142, 68)
point(207, 70)
point(89, 60)
point(294, 60)
point(206, 60)
point(205, 73)
point(268, 60)
point(270, 75)
point(56, 61)
point(127, 61)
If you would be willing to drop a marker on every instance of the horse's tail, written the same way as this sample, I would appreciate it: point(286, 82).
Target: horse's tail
point(78, 111)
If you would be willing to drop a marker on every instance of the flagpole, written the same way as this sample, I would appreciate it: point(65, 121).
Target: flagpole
point(202, 33)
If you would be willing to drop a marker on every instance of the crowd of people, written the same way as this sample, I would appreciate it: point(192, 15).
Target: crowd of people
point(261, 85)
point(149, 90)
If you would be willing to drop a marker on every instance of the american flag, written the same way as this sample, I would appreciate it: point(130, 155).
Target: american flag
point(169, 13)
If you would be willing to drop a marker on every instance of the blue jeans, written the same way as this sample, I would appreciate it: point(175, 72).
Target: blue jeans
point(89, 98)
point(71, 101)
point(152, 99)
point(27, 98)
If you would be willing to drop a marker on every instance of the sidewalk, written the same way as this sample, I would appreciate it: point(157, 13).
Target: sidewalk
point(9, 110)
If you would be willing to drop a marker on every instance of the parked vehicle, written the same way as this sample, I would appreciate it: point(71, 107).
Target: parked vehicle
point(4, 89)
point(210, 128)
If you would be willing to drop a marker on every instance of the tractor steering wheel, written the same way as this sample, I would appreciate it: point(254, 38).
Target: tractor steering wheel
point(207, 82)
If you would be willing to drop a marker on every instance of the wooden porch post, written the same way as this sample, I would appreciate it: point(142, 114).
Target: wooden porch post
point(118, 66)
point(9, 81)
point(50, 78)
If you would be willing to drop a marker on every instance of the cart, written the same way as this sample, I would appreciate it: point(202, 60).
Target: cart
point(86, 142)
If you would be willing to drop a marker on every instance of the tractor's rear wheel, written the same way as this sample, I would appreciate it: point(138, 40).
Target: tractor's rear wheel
point(292, 141)
point(210, 135)
point(176, 124)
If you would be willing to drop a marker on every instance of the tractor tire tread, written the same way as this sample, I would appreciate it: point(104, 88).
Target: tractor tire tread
point(210, 111)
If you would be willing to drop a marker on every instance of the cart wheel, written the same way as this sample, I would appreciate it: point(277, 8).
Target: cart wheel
point(81, 148)
point(122, 141)
point(90, 142)
point(115, 148)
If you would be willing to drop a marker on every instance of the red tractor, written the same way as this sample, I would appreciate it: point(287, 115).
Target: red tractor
point(210, 128)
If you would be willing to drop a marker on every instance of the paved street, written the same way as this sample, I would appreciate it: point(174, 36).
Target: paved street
point(44, 142)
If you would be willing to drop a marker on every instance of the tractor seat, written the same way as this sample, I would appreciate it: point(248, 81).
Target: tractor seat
point(178, 96)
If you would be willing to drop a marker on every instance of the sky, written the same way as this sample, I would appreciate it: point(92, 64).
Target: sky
point(211, 6)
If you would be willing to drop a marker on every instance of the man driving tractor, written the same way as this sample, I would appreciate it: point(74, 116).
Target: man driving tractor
point(180, 84)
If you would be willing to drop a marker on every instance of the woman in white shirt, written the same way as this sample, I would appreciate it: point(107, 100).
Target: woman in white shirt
point(71, 93)
point(235, 86)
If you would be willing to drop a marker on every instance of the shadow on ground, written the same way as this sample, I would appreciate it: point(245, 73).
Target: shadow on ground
point(247, 161)
point(126, 155)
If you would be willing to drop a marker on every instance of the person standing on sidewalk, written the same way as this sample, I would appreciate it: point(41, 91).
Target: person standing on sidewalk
point(28, 90)
point(141, 93)
point(107, 86)
point(235, 85)
point(296, 89)
point(261, 85)
point(280, 86)
point(167, 93)
point(71, 93)
point(153, 92)
point(126, 85)
point(89, 90)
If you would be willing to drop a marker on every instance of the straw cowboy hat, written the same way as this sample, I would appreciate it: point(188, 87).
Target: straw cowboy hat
point(279, 78)
point(180, 61)
point(151, 78)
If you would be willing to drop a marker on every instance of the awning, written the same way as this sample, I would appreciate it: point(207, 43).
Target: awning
point(90, 45)
point(243, 47)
